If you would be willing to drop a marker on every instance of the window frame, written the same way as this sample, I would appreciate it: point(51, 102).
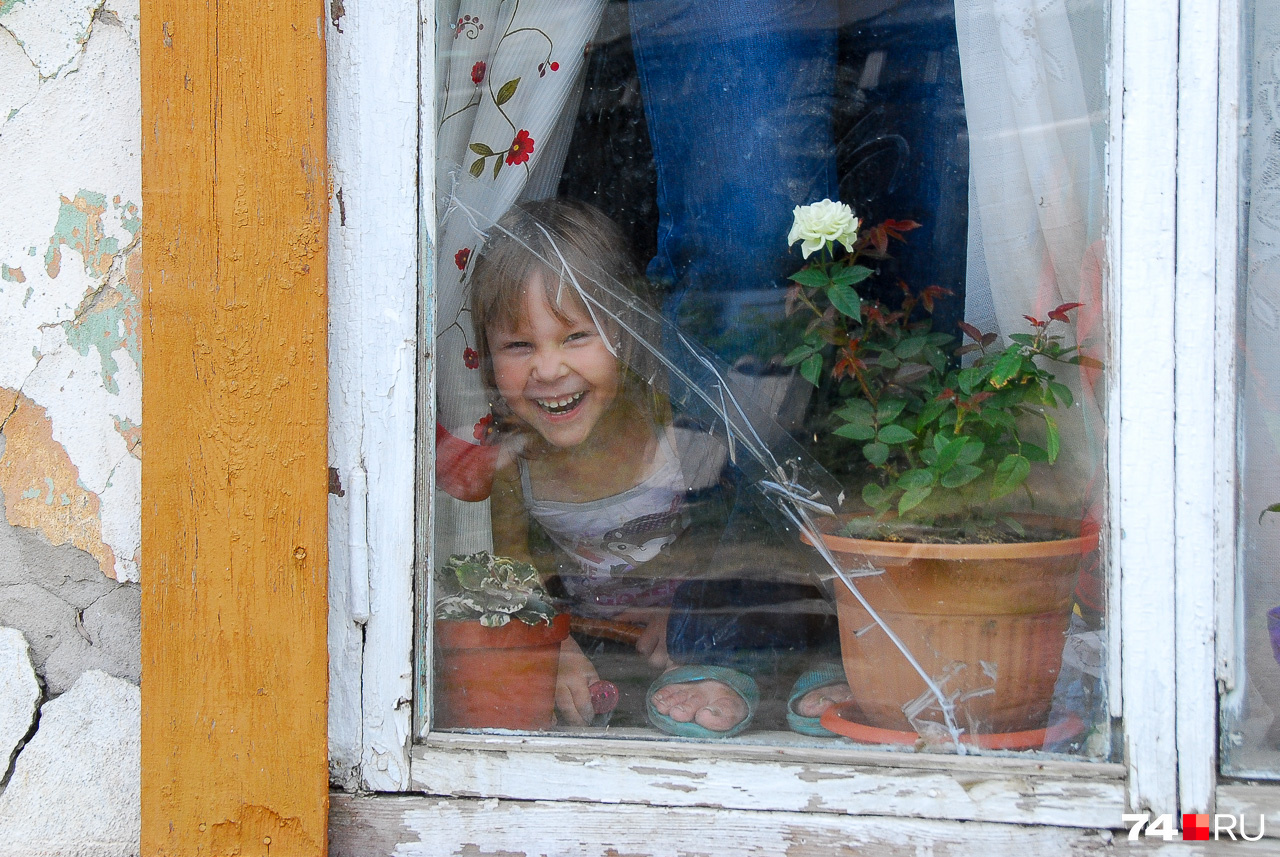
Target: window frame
point(1170, 140)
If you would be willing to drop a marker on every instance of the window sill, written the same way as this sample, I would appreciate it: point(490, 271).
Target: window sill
point(841, 780)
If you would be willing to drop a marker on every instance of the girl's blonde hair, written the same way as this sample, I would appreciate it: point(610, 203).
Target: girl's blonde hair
point(556, 238)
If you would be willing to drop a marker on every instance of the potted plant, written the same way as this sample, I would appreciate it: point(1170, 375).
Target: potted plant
point(498, 644)
point(942, 438)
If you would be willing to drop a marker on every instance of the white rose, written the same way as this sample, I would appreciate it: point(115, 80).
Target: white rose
point(821, 222)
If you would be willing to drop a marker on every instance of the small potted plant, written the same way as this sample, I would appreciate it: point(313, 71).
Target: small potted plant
point(498, 644)
point(940, 438)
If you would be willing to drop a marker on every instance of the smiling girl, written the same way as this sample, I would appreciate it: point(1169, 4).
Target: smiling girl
point(562, 325)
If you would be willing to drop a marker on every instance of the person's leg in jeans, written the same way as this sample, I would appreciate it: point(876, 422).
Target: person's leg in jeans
point(738, 97)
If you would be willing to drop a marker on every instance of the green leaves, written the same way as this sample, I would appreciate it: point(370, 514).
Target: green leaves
point(855, 431)
point(876, 497)
point(849, 276)
point(506, 91)
point(1010, 474)
point(945, 426)
point(810, 276)
point(1053, 441)
point(1006, 367)
point(797, 354)
point(889, 410)
point(961, 474)
point(911, 498)
point(876, 453)
point(811, 369)
point(892, 434)
point(491, 590)
point(845, 299)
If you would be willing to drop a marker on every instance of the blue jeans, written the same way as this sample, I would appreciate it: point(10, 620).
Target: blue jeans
point(738, 97)
point(743, 108)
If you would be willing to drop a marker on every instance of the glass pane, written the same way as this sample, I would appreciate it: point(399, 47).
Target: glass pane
point(768, 357)
point(1251, 730)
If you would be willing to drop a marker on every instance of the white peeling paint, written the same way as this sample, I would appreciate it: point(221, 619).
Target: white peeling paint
point(19, 78)
point(51, 32)
point(78, 139)
point(129, 14)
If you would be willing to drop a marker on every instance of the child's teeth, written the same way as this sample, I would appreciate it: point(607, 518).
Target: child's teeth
point(561, 403)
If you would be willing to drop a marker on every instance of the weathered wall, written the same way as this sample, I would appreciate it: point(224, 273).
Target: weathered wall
point(70, 414)
point(70, 388)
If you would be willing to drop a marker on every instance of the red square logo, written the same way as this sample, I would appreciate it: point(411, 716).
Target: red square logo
point(1195, 826)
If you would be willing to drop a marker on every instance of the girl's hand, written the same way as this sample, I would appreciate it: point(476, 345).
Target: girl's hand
point(573, 682)
point(653, 642)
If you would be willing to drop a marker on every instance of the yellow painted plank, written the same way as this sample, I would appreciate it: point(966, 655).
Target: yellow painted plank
point(234, 480)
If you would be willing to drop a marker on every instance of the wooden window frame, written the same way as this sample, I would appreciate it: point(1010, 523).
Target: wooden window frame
point(1171, 299)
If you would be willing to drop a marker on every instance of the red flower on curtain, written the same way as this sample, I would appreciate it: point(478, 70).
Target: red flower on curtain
point(482, 427)
point(460, 258)
point(471, 358)
point(477, 73)
point(521, 148)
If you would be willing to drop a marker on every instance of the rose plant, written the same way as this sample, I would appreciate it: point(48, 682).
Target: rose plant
point(942, 431)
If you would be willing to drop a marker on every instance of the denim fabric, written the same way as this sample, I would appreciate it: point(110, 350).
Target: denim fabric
point(738, 98)
point(749, 116)
point(757, 627)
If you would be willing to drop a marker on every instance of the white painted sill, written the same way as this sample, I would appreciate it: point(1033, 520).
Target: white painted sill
point(845, 781)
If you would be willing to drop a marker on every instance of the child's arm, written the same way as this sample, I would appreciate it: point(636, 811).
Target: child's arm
point(509, 520)
point(575, 674)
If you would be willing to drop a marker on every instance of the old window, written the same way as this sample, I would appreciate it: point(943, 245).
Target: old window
point(666, 447)
point(1249, 746)
point(1137, 484)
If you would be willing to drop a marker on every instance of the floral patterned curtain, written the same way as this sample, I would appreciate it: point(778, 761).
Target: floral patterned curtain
point(509, 74)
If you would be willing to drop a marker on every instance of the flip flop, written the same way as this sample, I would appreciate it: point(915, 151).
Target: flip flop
point(741, 684)
point(820, 676)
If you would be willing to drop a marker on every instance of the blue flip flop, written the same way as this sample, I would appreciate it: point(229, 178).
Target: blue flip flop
point(820, 676)
point(742, 684)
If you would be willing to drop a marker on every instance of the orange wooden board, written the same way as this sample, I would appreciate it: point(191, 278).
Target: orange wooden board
point(234, 481)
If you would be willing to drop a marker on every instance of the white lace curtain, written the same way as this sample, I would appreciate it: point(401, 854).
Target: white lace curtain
point(510, 75)
point(1034, 103)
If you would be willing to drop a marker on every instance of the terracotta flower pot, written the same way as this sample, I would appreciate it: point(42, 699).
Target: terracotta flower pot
point(497, 678)
point(986, 621)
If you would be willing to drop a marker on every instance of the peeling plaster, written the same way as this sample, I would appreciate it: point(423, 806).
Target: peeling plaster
point(19, 78)
point(106, 321)
point(42, 487)
point(52, 33)
point(70, 273)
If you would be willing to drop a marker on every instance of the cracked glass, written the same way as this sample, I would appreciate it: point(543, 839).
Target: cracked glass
point(768, 391)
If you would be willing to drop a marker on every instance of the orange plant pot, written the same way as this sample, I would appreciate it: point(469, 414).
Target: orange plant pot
point(497, 678)
point(986, 621)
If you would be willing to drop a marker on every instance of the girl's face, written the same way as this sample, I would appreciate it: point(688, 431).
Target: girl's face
point(557, 376)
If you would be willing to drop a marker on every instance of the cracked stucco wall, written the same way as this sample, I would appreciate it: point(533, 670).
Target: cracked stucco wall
point(70, 417)
point(70, 388)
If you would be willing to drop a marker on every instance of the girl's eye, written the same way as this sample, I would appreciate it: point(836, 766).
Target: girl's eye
point(579, 335)
point(515, 345)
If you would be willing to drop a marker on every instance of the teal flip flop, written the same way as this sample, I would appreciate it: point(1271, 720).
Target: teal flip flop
point(820, 676)
point(743, 685)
